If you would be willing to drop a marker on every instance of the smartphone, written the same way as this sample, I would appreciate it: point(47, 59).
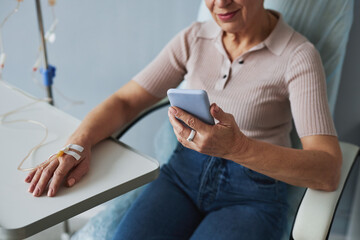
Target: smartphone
point(194, 101)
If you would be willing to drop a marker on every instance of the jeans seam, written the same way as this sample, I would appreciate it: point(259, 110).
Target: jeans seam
point(204, 176)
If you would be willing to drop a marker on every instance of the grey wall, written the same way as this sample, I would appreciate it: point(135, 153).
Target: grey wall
point(100, 45)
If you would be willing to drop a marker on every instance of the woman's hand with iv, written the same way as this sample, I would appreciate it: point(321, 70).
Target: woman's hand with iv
point(61, 169)
point(112, 114)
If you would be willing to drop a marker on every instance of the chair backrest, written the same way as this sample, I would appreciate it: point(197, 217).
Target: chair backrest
point(327, 24)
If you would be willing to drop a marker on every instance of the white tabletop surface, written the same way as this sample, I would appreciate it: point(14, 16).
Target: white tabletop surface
point(115, 169)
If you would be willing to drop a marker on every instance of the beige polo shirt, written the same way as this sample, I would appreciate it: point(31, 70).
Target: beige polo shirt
point(279, 79)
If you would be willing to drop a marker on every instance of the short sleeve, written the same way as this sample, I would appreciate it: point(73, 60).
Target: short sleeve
point(307, 93)
point(168, 69)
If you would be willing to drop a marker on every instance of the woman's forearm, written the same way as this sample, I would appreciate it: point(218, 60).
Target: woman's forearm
point(317, 169)
point(102, 121)
point(99, 124)
point(113, 113)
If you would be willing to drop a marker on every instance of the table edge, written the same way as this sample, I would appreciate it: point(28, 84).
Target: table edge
point(80, 207)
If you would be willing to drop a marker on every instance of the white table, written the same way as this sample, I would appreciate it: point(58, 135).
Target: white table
point(115, 170)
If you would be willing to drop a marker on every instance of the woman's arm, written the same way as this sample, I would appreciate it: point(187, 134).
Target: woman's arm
point(317, 166)
point(116, 111)
point(100, 123)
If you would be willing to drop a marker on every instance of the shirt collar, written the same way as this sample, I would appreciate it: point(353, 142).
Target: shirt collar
point(209, 30)
point(275, 42)
point(278, 39)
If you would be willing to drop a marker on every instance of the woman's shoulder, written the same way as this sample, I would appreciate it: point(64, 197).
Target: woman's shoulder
point(302, 51)
point(297, 42)
point(301, 43)
point(285, 41)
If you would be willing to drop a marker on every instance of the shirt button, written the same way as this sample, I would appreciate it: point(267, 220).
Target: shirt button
point(225, 76)
point(241, 62)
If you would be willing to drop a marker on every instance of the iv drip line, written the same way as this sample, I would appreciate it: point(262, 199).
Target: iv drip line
point(43, 126)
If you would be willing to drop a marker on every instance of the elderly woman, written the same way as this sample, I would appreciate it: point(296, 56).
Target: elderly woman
point(229, 182)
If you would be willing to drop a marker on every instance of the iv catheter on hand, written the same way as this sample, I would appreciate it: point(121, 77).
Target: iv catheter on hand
point(68, 149)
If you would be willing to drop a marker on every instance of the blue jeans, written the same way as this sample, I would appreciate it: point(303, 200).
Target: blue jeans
point(197, 196)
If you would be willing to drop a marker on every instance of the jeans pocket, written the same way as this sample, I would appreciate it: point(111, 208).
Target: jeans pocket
point(179, 148)
point(259, 179)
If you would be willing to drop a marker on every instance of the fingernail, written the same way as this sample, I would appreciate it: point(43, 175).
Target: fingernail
point(172, 110)
point(50, 192)
point(216, 108)
point(37, 191)
point(27, 179)
point(31, 188)
point(71, 182)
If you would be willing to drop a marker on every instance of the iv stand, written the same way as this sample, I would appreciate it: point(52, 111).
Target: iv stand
point(43, 45)
point(66, 233)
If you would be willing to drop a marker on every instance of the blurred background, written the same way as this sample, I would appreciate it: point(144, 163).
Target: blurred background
point(101, 45)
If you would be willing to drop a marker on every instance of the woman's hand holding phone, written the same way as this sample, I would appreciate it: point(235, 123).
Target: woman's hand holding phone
point(221, 140)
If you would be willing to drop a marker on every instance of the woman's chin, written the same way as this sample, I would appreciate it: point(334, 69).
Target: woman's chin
point(230, 27)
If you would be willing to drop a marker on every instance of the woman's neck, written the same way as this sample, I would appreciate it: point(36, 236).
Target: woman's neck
point(237, 43)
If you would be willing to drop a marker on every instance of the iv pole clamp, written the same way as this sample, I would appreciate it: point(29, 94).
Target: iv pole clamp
point(48, 71)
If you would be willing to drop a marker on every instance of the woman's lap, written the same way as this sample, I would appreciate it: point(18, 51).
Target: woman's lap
point(173, 207)
point(162, 211)
point(238, 222)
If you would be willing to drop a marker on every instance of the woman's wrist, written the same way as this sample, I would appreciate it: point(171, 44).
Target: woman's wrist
point(241, 149)
point(80, 139)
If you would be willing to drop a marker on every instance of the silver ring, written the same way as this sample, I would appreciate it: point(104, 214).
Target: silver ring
point(191, 136)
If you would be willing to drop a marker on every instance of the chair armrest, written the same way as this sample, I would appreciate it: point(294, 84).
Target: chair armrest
point(317, 208)
point(163, 102)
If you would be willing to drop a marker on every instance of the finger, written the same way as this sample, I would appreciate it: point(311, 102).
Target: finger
point(36, 174)
point(66, 164)
point(35, 179)
point(46, 175)
point(189, 119)
point(30, 176)
point(223, 117)
point(180, 130)
point(78, 172)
